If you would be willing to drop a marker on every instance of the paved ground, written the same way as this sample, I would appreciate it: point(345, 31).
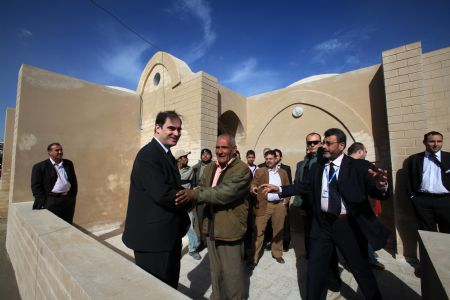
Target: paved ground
point(8, 285)
point(270, 280)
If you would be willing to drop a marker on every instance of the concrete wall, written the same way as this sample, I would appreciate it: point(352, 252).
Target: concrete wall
point(53, 260)
point(6, 164)
point(98, 129)
point(436, 89)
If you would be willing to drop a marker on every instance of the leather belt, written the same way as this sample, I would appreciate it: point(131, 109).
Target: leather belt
point(57, 194)
point(331, 217)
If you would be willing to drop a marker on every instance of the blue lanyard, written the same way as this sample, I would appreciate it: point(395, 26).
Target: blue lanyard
point(332, 176)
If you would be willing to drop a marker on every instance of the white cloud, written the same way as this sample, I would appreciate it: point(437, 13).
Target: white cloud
point(345, 43)
point(248, 79)
point(24, 33)
point(124, 61)
point(199, 9)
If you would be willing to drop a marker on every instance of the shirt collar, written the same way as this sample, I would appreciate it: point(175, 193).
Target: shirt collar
point(276, 169)
point(220, 168)
point(162, 145)
point(438, 154)
point(337, 162)
point(55, 164)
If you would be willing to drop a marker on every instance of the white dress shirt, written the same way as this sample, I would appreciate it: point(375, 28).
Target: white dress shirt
point(324, 195)
point(62, 184)
point(162, 145)
point(275, 179)
point(432, 176)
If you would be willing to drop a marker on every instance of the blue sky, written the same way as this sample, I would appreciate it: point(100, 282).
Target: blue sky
point(250, 46)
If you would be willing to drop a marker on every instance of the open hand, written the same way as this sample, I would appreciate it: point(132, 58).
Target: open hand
point(269, 188)
point(381, 178)
point(184, 196)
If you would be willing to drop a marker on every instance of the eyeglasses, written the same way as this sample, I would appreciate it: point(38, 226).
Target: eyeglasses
point(311, 143)
point(330, 143)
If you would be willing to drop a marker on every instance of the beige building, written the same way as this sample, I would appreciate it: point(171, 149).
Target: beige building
point(388, 107)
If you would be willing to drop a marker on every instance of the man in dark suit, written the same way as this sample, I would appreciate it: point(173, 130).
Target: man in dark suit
point(154, 223)
point(429, 184)
point(54, 184)
point(342, 215)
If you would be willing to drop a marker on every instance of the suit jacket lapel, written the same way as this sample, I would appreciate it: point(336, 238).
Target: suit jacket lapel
point(318, 186)
point(168, 161)
point(51, 169)
point(419, 171)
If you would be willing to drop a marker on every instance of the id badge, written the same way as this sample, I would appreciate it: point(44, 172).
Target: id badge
point(325, 193)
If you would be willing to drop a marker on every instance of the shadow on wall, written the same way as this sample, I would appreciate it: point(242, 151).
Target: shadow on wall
point(405, 216)
point(380, 133)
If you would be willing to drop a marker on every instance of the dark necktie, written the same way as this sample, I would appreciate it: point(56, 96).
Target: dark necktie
point(171, 158)
point(433, 157)
point(334, 201)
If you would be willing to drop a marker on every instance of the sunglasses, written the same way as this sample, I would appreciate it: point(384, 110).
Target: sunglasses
point(310, 143)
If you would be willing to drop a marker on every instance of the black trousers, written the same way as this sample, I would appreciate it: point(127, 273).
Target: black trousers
point(433, 212)
point(62, 206)
point(163, 265)
point(345, 234)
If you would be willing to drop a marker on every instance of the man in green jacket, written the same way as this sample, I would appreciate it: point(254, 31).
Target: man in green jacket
point(224, 188)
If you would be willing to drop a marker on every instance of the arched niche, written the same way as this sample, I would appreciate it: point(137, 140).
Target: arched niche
point(230, 123)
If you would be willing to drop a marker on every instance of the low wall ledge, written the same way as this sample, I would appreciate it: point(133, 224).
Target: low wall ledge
point(54, 260)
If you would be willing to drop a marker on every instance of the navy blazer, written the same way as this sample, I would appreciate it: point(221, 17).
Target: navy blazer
point(43, 179)
point(153, 222)
point(414, 170)
point(355, 184)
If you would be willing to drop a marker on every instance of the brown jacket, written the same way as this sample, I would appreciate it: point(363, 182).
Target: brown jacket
point(262, 177)
point(226, 208)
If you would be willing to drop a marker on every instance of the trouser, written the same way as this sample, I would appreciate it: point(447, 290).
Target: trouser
point(163, 265)
point(62, 206)
point(227, 270)
point(345, 234)
point(433, 212)
point(249, 237)
point(287, 230)
point(276, 212)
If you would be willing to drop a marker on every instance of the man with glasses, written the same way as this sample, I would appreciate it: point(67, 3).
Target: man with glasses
point(313, 145)
point(342, 215)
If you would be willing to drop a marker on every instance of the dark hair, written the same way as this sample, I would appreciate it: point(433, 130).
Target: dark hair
point(314, 133)
point(278, 151)
point(426, 135)
point(206, 150)
point(340, 135)
point(250, 152)
point(49, 147)
point(269, 152)
point(355, 147)
point(162, 116)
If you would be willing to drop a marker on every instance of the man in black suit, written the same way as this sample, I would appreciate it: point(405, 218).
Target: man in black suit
point(429, 184)
point(342, 215)
point(54, 184)
point(154, 223)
